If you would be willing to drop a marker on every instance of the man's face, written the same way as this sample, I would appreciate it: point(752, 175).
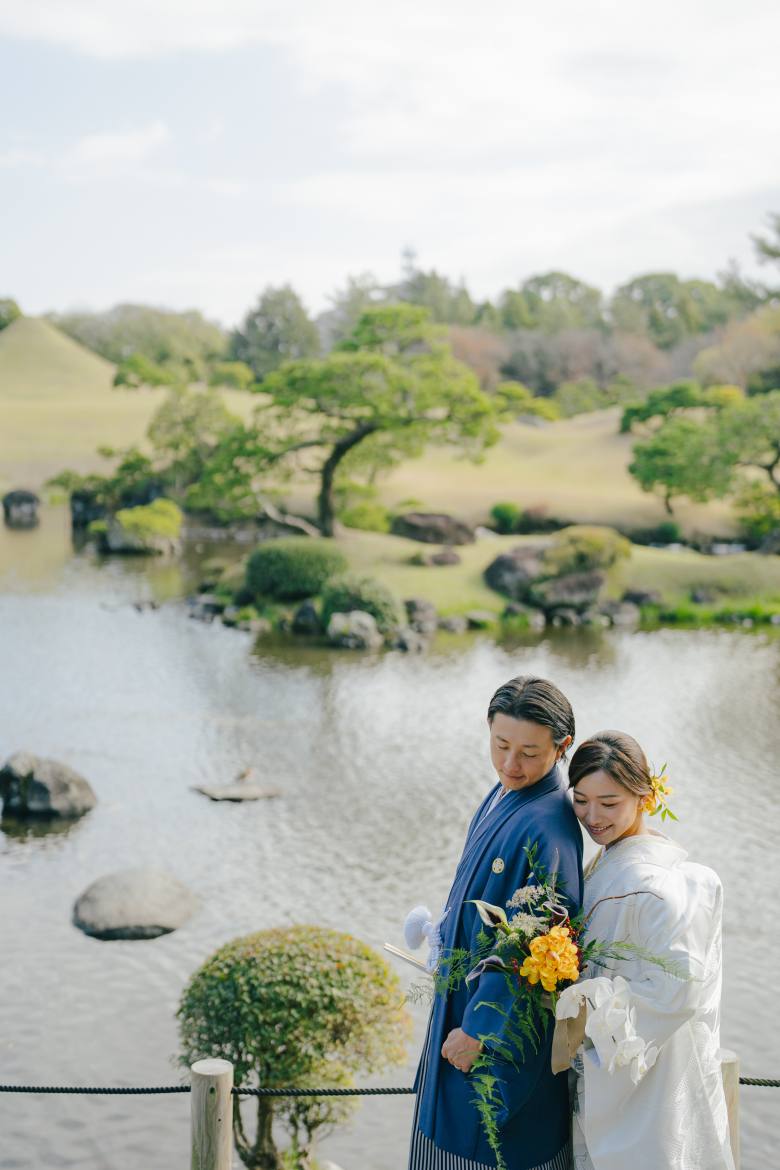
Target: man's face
point(521, 752)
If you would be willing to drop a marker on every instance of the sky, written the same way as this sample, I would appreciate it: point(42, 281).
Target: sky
point(188, 153)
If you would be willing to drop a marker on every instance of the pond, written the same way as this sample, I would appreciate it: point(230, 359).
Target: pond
point(380, 761)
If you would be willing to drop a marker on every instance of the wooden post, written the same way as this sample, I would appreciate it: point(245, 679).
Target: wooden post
point(729, 1067)
point(212, 1115)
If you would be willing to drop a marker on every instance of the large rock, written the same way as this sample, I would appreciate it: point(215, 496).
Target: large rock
point(524, 615)
point(512, 573)
point(625, 614)
point(306, 620)
point(32, 786)
point(20, 508)
point(409, 640)
point(235, 793)
point(422, 615)
point(433, 528)
point(355, 630)
point(576, 591)
point(134, 904)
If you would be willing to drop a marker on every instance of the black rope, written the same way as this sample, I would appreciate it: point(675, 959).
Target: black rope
point(289, 1091)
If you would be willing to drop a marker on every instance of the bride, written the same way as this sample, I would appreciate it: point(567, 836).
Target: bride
point(649, 1091)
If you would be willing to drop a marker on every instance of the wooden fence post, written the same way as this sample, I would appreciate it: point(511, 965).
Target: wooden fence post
point(729, 1068)
point(212, 1115)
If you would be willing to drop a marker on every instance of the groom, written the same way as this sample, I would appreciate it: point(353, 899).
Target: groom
point(531, 727)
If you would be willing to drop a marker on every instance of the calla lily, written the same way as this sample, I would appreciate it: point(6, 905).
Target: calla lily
point(490, 915)
point(491, 963)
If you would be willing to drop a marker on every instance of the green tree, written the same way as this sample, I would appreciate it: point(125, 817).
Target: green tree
point(391, 389)
point(276, 330)
point(300, 1006)
point(9, 311)
point(662, 403)
point(683, 458)
point(667, 309)
point(182, 344)
point(558, 301)
point(446, 302)
point(185, 430)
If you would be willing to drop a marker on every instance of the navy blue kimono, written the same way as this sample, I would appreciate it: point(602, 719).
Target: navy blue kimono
point(534, 1122)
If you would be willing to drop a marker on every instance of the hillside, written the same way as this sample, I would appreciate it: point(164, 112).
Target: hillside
point(58, 405)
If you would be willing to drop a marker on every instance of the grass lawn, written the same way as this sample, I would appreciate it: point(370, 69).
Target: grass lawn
point(457, 588)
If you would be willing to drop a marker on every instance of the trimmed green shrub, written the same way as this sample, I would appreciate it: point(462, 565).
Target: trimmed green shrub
point(505, 517)
point(343, 594)
point(293, 567)
point(301, 1006)
point(366, 515)
point(759, 512)
point(584, 548)
point(160, 518)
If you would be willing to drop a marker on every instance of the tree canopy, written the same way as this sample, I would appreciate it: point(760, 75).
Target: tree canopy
point(276, 330)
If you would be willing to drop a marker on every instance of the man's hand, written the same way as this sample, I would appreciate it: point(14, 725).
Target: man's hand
point(461, 1050)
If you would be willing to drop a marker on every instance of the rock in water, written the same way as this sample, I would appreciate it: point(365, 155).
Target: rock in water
point(356, 630)
point(235, 792)
point(32, 786)
point(134, 904)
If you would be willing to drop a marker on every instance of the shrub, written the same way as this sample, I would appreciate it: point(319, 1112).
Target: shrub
point(536, 519)
point(581, 549)
point(299, 1006)
point(759, 512)
point(160, 518)
point(293, 567)
point(505, 517)
point(343, 594)
point(367, 515)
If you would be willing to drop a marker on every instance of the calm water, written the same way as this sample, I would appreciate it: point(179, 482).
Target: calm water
point(380, 760)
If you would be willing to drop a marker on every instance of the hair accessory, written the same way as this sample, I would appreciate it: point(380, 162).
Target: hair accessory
point(656, 800)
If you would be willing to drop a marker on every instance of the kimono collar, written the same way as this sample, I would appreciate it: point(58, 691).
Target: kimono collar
point(551, 782)
point(652, 846)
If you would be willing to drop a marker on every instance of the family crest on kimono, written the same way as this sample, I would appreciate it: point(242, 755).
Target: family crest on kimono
point(531, 726)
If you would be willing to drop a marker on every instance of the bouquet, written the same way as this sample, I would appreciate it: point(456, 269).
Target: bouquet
point(538, 946)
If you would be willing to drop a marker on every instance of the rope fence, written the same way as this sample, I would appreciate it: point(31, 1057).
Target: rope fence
point(289, 1091)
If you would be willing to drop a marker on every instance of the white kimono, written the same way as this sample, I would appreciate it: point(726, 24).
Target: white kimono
point(650, 1094)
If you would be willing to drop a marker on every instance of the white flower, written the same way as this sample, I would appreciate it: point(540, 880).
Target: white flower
point(526, 924)
point(490, 915)
point(526, 896)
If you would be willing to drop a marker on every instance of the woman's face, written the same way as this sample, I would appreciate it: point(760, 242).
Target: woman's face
point(607, 810)
point(522, 752)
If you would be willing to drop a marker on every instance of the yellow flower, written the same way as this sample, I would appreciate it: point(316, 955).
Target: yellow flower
point(553, 959)
point(657, 800)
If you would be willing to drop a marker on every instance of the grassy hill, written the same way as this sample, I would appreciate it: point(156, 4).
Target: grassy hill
point(58, 405)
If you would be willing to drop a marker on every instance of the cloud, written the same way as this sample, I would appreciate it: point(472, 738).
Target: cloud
point(131, 146)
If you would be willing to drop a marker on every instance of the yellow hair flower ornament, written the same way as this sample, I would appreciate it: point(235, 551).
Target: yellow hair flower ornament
point(657, 799)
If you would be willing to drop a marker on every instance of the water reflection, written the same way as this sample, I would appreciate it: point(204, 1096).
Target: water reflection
point(48, 830)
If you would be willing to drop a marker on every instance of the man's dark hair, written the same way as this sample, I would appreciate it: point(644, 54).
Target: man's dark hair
point(538, 701)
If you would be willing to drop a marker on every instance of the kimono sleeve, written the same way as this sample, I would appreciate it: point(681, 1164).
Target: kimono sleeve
point(488, 1014)
point(630, 1021)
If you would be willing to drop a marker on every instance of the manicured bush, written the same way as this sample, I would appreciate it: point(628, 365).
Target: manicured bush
point(759, 512)
point(292, 567)
point(366, 515)
point(349, 592)
point(582, 548)
point(160, 518)
point(505, 517)
point(300, 1006)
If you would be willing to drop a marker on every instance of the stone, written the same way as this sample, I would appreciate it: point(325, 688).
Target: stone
point(534, 619)
point(592, 617)
point(235, 793)
point(454, 624)
point(306, 620)
point(20, 508)
point(422, 615)
point(432, 528)
point(625, 614)
point(576, 591)
point(255, 626)
point(408, 639)
point(643, 596)
point(134, 904)
point(565, 617)
point(447, 556)
point(480, 619)
point(704, 596)
point(355, 630)
point(512, 573)
point(36, 787)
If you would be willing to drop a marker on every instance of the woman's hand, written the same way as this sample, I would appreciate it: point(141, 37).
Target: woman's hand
point(461, 1050)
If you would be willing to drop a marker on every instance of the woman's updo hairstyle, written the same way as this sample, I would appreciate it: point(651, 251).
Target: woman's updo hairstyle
point(617, 754)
